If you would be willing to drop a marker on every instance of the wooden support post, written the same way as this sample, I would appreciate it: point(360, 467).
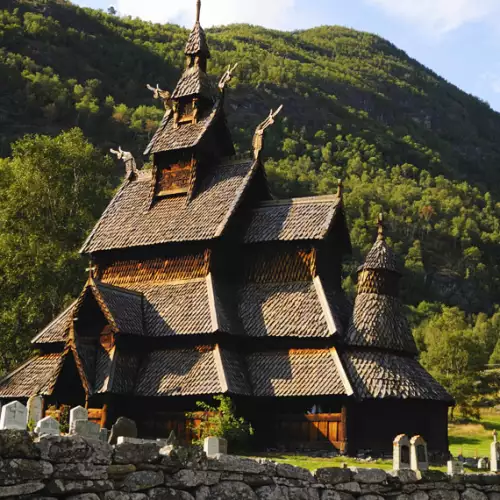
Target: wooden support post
point(104, 415)
point(343, 429)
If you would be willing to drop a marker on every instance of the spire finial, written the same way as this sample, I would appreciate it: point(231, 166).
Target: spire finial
point(381, 236)
point(340, 189)
point(198, 10)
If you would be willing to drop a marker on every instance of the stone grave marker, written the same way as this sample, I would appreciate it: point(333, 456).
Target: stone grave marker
point(35, 409)
point(103, 435)
point(213, 446)
point(483, 463)
point(123, 427)
point(86, 429)
point(401, 452)
point(14, 416)
point(455, 467)
point(494, 454)
point(78, 413)
point(48, 426)
point(418, 454)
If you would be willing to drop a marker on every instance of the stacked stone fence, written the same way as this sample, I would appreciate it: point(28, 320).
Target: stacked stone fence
point(79, 468)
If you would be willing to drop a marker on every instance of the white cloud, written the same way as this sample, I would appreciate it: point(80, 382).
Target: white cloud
point(269, 13)
point(440, 16)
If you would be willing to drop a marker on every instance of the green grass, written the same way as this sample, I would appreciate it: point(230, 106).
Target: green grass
point(313, 463)
point(474, 438)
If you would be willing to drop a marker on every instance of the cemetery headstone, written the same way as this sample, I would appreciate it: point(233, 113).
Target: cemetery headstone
point(35, 409)
point(213, 446)
point(14, 416)
point(483, 463)
point(103, 435)
point(75, 414)
point(48, 426)
point(419, 460)
point(401, 452)
point(86, 429)
point(494, 454)
point(123, 427)
point(455, 467)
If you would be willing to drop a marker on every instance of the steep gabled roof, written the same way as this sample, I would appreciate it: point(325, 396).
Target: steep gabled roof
point(57, 331)
point(191, 372)
point(194, 81)
point(130, 222)
point(298, 372)
point(37, 376)
point(168, 137)
point(292, 220)
point(293, 309)
point(378, 375)
point(122, 308)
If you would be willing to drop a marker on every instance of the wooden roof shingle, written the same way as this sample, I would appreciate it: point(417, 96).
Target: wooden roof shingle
point(379, 321)
point(379, 375)
point(56, 331)
point(36, 377)
point(197, 42)
point(195, 81)
point(297, 372)
point(130, 222)
point(292, 220)
point(284, 310)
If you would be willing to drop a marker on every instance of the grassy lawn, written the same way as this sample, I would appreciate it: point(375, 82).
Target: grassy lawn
point(473, 439)
point(313, 463)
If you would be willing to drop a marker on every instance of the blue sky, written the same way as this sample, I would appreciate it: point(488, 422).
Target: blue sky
point(458, 39)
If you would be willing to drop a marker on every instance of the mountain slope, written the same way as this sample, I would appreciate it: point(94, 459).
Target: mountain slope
point(404, 140)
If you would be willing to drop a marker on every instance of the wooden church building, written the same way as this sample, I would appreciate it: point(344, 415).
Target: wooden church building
point(204, 284)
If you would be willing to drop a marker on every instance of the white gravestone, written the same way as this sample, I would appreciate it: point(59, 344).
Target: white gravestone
point(401, 452)
point(48, 426)
point(455, 467)
point(494, 454)
point(483, 463)
point(214, 445)
point(35, 409)
point(78, 413)
point(14, 416)
point(86, 429)
point(418, 454)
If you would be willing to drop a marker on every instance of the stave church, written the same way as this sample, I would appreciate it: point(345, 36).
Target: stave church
point(203, 284)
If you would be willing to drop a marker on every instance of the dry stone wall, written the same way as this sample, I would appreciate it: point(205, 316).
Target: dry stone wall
point(77, 468)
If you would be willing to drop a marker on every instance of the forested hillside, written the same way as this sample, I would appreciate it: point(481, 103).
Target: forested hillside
point(404, 141)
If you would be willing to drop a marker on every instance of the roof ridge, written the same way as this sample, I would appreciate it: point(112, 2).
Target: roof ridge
point(324, 199)
point(59, 317)
point(117, 288)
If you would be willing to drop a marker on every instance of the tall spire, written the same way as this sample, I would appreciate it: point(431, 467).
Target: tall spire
point(198, 10)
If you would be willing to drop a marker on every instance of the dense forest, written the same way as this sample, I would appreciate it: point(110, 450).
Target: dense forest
point(404, 141)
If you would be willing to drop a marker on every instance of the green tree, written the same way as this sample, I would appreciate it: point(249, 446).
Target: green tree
point(53, 190)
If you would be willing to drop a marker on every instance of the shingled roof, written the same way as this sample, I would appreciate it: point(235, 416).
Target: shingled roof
point(37, 376)
point(295, 309)
point(190, 372)
point(194, 81)
point(130, 222)
point(292, 220)
point(169, 137)
point(381, 256)
point(122, 308)
point(297, 372)
point(57, 331)
point(380, 321)
point(197, 42)
point(378, 375)
point(116, 371)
